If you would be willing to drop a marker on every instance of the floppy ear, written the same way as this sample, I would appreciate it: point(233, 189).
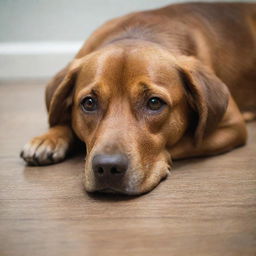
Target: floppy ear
point(206, 93)
point(61, 101)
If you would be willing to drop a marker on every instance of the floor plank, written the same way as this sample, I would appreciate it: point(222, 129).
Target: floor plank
point(207, 206)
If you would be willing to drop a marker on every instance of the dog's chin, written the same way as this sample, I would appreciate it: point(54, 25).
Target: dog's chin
point(111, 190)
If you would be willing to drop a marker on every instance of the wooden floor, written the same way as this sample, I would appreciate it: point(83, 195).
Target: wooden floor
point(205, 207)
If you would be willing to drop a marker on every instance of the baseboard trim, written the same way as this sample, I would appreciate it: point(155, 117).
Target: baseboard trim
point(35, 59)
point(38, 48)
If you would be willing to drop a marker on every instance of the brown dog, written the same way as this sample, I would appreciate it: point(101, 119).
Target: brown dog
point(150, 87)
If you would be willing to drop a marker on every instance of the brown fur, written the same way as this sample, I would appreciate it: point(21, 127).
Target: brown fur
point(199, 58)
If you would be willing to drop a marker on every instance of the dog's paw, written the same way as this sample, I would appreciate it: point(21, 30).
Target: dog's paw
point(45, 150)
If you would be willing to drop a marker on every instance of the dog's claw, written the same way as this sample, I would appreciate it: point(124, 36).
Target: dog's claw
point(49, 157)
point(35, 159)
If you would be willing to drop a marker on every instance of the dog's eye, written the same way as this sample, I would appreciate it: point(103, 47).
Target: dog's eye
point(89, 104)
point(155, 103)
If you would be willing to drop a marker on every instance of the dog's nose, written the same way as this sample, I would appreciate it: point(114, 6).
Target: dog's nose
point(109, 166)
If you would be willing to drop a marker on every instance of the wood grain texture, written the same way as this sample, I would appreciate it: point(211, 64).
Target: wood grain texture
point(207, 206)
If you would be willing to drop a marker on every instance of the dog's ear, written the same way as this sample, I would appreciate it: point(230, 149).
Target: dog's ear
point(206, 93)
point(61, 101)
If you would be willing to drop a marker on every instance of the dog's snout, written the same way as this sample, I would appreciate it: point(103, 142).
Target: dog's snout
point(108, 166)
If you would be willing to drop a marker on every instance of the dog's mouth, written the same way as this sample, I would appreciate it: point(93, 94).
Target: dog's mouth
point(110, 191)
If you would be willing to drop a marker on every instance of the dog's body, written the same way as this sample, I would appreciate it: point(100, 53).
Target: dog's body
point(151, 86)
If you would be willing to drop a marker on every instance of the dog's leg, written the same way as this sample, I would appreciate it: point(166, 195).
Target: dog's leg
point(50, 147)
point(231, 133)
point(222, 140)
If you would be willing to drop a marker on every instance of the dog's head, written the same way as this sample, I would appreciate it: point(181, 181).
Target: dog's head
point(130, 105)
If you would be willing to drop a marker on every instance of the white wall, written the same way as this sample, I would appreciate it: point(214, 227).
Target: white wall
point(38, 37)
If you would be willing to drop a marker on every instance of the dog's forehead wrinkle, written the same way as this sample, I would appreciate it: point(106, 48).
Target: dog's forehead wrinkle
point(103, 59)
point(119, 67)
point(112, 70)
